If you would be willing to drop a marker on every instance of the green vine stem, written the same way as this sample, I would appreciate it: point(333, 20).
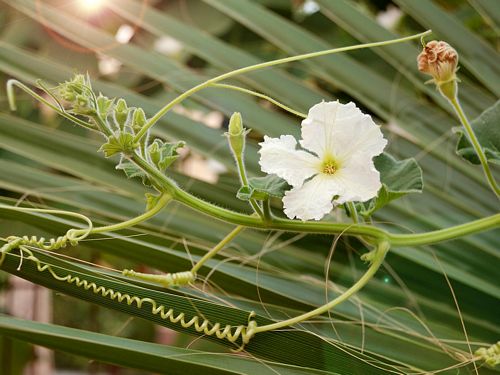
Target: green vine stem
point(268, 214)
point(184, 277)
point(353, 212)
point(259, 95)
point(362, 230)
point(217, 248)
point(475, 143)
point(153, 120)
point(169, 190)
point(163, 200)
point(244, 181)
point(376, 258)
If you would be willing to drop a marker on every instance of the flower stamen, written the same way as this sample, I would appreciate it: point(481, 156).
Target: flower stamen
point(329, 167)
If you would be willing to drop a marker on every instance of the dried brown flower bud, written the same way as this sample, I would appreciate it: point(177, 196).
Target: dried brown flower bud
point(440, 60)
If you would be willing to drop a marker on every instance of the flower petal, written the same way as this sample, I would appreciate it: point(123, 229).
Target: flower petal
point(313, 200)
point(337, 130)
point(358, 181)
point(279, 156)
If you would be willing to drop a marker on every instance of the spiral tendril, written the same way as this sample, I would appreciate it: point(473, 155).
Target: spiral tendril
point(198, 323)
point(491, 355)
point(72, 236)
point(167, 280)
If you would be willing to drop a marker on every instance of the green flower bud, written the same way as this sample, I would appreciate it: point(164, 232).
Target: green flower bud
point(235, 124)
point(139, 119)
point(103, 105)
point(83, 106)
point(236, 135)
point(78, 93)
point(121, 113)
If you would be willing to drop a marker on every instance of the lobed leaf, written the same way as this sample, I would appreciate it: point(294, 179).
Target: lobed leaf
point(487, 130)
point(398, 179)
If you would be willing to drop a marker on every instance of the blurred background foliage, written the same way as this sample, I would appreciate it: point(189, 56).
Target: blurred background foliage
point(149, 52)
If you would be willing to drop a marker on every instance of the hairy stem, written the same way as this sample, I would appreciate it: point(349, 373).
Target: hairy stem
point(244, 181)
point(367, 231)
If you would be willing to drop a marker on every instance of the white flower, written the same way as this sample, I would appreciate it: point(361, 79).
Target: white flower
point(335, 166)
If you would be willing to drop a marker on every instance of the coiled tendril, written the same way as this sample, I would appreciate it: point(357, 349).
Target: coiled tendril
point(167, 280)
point(72, 236)
point(198, 323)
point(490, 355)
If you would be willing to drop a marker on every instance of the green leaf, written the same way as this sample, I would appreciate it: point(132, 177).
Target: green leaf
point(131, 170)
point(245, 193)
point(163, 154)
point(147, 356)
point(487, 130)
point(261, 188)
point(398, 179)
point(120, 142)
point(267, 344)
point(104, 104)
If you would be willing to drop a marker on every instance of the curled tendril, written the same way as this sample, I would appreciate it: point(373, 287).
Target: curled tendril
point(490, 355)
point(167, 280)
point(196, 322)
point(72, 236)
point(58, 107)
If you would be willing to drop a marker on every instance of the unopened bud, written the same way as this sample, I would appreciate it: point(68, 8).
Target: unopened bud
point(440, 60)
point(236, 135)
point(139, 119)
point(121, 113)
point(78, 93)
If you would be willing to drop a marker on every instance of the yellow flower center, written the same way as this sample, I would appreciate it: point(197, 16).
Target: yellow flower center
point(329, 167)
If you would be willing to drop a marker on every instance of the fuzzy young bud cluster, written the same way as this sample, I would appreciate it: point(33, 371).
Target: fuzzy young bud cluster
point(440, 60)
point(78, 93)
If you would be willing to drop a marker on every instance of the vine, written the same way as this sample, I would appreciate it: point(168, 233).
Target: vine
point(126, 130)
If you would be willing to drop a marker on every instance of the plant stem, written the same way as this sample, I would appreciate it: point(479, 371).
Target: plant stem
point(244, 181)
point(266, 64)
point(379, 256)
point(268, 215)
point(259, 95)
point(475, 143)
point(162, 202)
point(353, 212)
point(324, 227)
point(217, 248)
point(446, 234)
